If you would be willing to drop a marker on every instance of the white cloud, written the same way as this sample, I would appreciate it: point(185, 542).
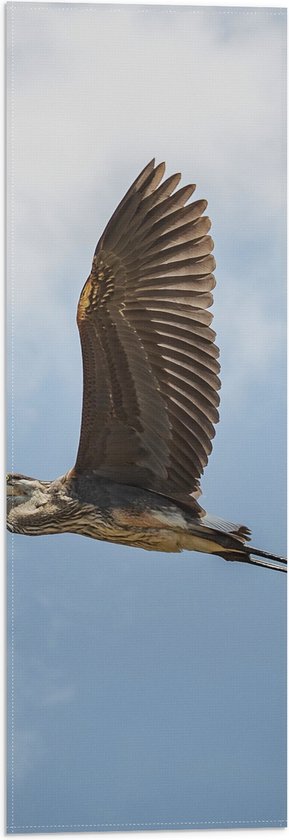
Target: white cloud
point(104, 86)
point(253, 343)
point(98, 91)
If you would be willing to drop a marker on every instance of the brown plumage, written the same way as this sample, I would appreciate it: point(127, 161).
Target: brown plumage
point(149, 358)
point(150, 396)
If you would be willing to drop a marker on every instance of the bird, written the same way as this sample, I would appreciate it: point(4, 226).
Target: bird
point(150, 388)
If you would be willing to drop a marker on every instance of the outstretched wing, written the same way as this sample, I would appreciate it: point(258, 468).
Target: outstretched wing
point(149, 359)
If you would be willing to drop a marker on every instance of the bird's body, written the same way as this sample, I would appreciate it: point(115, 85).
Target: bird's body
point(104, 510)
point(151, 384)
point(95, 507)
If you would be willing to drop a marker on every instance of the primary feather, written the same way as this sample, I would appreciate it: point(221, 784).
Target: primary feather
point(150, 362)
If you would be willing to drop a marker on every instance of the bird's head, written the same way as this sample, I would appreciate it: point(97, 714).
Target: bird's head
point(20, 488)
point(24, 490)
point(35, 506)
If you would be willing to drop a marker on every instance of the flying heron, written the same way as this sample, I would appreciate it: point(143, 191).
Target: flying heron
point(150, 393)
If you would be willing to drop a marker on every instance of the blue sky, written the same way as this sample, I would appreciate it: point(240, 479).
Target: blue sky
point(148, 688)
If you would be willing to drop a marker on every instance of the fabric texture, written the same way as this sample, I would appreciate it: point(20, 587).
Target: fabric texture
point(146, 689)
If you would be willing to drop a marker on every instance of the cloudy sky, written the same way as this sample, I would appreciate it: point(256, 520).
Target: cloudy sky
point(148, 689)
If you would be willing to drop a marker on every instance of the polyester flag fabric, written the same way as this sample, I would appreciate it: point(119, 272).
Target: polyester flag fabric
point(146, 688)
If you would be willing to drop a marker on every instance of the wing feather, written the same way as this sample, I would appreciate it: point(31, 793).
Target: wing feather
point(150, 398)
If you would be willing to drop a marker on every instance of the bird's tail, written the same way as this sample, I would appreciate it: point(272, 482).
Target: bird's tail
point(256, 557)
point(234, 539)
